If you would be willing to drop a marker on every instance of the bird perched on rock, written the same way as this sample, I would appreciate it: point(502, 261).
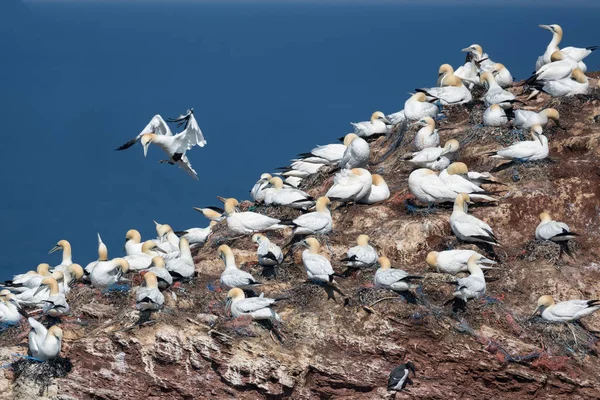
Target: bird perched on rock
point(565, 311)
point(256, 307)
point(399, 376)
point(555, 231)
point(397, 280)
point(269, 254)
point(363, 255)
point(473, 285)
point(233, 277)
point(356, 154)
point(148, 297)
point(44, 344)
point(467, 227)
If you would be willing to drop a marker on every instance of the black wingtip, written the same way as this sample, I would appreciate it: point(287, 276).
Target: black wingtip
point(181, 233)
point(128, 144)
point(531, 80)
point(592, 48)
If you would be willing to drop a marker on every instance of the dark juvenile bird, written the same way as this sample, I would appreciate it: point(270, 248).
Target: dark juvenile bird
point(399, 376)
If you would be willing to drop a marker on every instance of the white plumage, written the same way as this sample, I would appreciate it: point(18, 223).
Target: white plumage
point(394, 279)
point(467, 227)
point(256, 307)
point(566, 311)
point(233, 277)
point(357, 152)
point(269, 254)
point(350, 185)
point(548, 229)
point(44, 344)
point(318, 222)
point(454, 261)
point(529, 150)
point(494, 115)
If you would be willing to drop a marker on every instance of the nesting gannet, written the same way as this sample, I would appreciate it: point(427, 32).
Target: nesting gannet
point(175, 146)
point(108, 273)
point(277, 195)
point(167, 240)
point(427, 136)
point(44, 344)
point(399, 377)
point(376, 126)
point(158, 268)
point(467, 227)
point(148, 297)
point(455, 92)
point(565, 311)
point(233, 277)
point(258, 190)
point(454, 261)
point(30, 280)
point(56, 304)
point(182, 266)
point(102, 255)
point(269, 254)
point(435, 158)
point(196, 237)
point(502, 75)
point(212, 213)
point(577, 53)
point(329, 154)
point(248, 222)
point(71, 274)
point(526, 119)
point(555, 231)
point(379, 191)
point(576, 83)
point(494, 115)
point(427, 187)
point(469, 71)
point(444, 71)
point(140, 261)
point(528, 150)
point(67, 260)
point(256, 307)
point(415, 108)
point(482, 59)
point(350, 185)
point(473, 285)
point(560, 67)
point(356, 154)
point(455, 177)
point(10, 310)
point(35, 297)
point(362, 255)
point(318, 268)
point(317, 222)
point(495, 94)
point(133, 242)
point(397, 280)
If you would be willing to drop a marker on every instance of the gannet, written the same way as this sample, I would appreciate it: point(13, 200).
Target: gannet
point(495, 94)
point(108, 273)
point(454, 261)
point(415, 108)
point(65, 246)
point(56, 304)
point(148, 297)
point(269, 254)
point(140, 261)
point(455, 177)
point(379, 191)
point(10, 310)
point(196, 237)
point(300, 169)
point(256, 307)
point(495, 115)
point(158, 268)
point(133, 242)
point(35, 297)
point(467, 227)
point(212, 213)
point(444, 71)
point(482, 59)
point(182, 266)
point(363, 255)
point(175, 146)
point(329, 154)
point(277, 195)
point(350, 185)
point(577, 83)
point(502, 75)
point(30, 280)
point(71, 274)
point(318, 268)
point(397, 280)
point(233, 277)
point(167, 240)
point(576, 53)
point(293, 181)
point(399, 376)
point(473, 285)
point(378, 125)
point(528, 150)
point(455, 92)
point(248, 222)
point(560, 67)
point(102, 255)
point(435, 158)
point(317, 222)
point(553, 230)
point(526, 119)
point(427, 136)
point(469, 71)
point(427, 187)
point(356, 154)
point(44, 344)
point(565, 311)
point(258, 190)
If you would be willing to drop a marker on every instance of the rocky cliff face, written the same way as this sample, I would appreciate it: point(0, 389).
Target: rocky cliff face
point(345, 345)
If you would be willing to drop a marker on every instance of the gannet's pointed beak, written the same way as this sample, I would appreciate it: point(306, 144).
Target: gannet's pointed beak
point(55, 248)
point(535, 311)
point(545, 27)
point(466, 50)
point(146, 149)
point(161, 250)
point(386, 121)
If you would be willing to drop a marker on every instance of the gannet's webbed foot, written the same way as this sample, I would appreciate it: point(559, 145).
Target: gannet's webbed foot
point(167, 161)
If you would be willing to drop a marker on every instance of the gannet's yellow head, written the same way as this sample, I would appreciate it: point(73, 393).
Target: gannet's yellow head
point(537, 130)
point(451, 146)
point(432, 259)
point(76, 270)
point(578, 75)
point(58, 276)
point(209, 213)
point(43, 269)
point(61, 245)
point(56, 332)
point(420, 97)
point(257, 237)
point(230, 205)
point(486, 78)
point(265, 177)
point(495, 107)
point(322, 203)
point(312, 244)
point(51, 283)
point(149, 246)
point(158, 261)
point(362, 240)
point(122, 264)
point(133, 235)
point(378, 115)
point(551, 113)
point(445, 69)
point(557, 56)
point(277, 182)
point(235, 293)
point(146, 140)
point(349, 138)
point(151, 280)
point(384, 263)
point(457, 168)
point(545, 217)
point(453, 80)
point(378, 180)
point(474, 49)
point(223, 251)
point(543, 302)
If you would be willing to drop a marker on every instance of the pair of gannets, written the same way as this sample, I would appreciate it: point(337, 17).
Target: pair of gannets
point(357, 152)
point(565, 311)
point(350, 185)
point(577, 53)
point(182, 266)
point(248, 222)
point(233, 277)
point(30, 280)
point(436, 158)
point(36, 297)
point(376, 126)
point(555, 231)
point(560, 67)
point(415, 108)
point(56, 304)
point(363, 255)
point(458, 178)
point(427, 136)
point(10, 310)
point(379, 191)
point(44, 344)
point(454, 261)
point(256, 307)
point(148, 296)
point(576, 83)
point(528, 150)
point(142, 260)
point(159, 268)
point(455, 92)
point(108, 273)
point(258, 191)
point(175, 146)
point(269, 254)
point(397, 280)
point(277, 195)
point(467, 227)
point(526, 119)
point(474, 285)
